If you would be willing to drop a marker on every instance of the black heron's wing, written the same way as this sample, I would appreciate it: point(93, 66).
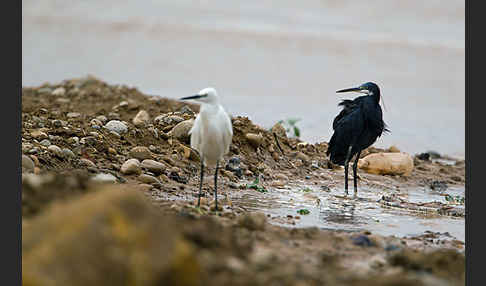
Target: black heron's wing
point(347, 125)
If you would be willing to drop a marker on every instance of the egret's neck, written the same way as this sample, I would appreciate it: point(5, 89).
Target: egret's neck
point(207, 110)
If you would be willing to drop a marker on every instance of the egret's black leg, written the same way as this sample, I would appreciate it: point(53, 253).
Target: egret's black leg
point(200, 184)
point(216, 186)
point(355, 177)
point(346, 163)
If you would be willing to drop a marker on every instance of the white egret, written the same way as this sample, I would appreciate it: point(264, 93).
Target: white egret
point(211, 134)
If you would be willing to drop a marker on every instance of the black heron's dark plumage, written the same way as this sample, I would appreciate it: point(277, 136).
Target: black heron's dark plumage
point(356, 127)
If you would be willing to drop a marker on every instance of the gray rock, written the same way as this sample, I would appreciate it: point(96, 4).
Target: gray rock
point(73, 115)
point(141, 118)
point(87, 163)
point(57, 123)
point(116, 126)
point(45, 142)
point(141, 153)
point(27, 164)
point(95, 121)
point(131, 166)
point(102, 118)
point(67, 153)
point(181, 131)
point(59, 91)
point(104, 178)
point(153, 166)
point(56, 150)
point(34, 150)
point(73, 141)
point(148, 179)
point(166, 119)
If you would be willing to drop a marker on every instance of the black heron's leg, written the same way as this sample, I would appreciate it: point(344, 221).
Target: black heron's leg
point(346, 162)
point(200, 183)
point(355, 168)
point(216, 186)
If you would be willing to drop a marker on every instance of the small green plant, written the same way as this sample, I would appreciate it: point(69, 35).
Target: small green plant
point(303, 212)
point(255, 185)
point(290, 127)
point(306, 190)
point(455, 199)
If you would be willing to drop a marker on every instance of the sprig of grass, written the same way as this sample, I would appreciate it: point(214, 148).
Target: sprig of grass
point(303, 212)
point(255, 185)
point(455, 199)
point(290, 127)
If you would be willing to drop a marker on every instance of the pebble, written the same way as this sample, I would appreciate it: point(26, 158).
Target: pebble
point(73, 141)
point(45, 142)
point(116, 126)
point(27, 164)
point(102, 118)
point(181, 131)
point(59, 91)
point(362, 240)
point(254, 139)
point(34, 150)
point(38, 134)
point(148, 179)
point(95, 122)
point(113, 116)
point(63, 100)
point(114, 134)
point(439, 186)
point(104, 178)
point(153, 166)
point(131, 166)
point(315, 164)
point(56, 150)
point(165, 119)
point(302, 157)
point(141, 118)
point(233, 165)
point(87, 163)
point(57, 123)
point(281, 177)
point(111, 150)
point(73, 115)
point(67, 153)
point(275, 156)
point(141, 153)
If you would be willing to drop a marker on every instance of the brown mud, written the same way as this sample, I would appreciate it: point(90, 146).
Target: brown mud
point(164, 239)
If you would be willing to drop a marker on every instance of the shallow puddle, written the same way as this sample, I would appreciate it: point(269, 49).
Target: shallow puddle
point(330, 209)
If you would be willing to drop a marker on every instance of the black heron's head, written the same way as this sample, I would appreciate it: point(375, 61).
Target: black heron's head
point(368, 88)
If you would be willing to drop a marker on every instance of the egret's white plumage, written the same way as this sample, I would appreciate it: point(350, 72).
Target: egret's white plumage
point(211, 133)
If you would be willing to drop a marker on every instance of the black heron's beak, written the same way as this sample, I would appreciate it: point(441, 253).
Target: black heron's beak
point(357, 89)
point(192, 97)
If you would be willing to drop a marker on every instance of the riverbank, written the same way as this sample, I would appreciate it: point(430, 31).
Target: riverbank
point(88, 147)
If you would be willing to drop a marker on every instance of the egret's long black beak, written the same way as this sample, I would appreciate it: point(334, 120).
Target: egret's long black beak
point(357, 89)
point(192, 97)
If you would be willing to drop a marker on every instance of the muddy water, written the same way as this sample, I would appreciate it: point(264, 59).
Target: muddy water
point(285, 56)
point(329, 209)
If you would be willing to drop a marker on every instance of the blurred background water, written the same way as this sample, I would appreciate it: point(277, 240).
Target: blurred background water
point(269, 60)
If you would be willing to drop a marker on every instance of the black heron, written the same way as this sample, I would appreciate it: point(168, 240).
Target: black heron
point(356, 127)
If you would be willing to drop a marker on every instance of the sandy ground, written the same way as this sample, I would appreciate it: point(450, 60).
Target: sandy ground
point(141, 226)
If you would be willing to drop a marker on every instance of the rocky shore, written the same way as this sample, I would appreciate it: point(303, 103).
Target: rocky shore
point(109, 184)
